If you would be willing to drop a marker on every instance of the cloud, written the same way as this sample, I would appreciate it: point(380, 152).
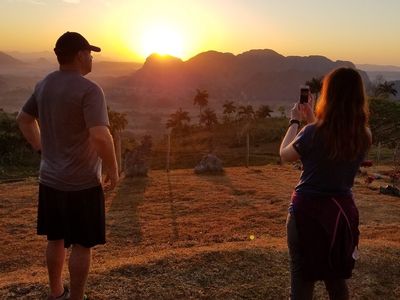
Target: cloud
point(35, 2)
point(72, 1)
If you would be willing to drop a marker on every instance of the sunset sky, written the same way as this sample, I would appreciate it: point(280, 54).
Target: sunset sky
point(362, 31)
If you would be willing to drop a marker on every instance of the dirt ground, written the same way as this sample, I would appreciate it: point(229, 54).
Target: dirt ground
point(184, 236)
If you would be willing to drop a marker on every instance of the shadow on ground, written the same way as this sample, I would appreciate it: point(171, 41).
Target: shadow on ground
point(123, 216)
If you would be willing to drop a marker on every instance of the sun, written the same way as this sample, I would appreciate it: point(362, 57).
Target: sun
point(162, 40)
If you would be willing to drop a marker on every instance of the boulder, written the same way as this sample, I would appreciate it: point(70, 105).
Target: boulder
point(390, 190)
point(135, 164)
point(210, 163)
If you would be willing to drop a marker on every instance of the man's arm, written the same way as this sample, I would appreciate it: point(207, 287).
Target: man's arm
point(103, 142)
point(30, 129)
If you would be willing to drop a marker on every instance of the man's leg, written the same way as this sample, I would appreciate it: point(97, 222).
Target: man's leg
point(55, 257)
point(337, 289)
point(79, 264)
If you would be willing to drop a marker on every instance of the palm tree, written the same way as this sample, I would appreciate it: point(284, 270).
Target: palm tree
point(178, 120)
point(282, 110)
point(385, 89)
point(118, 123)
point(263, 112)
point(245, 112)
point(201, 99)
point(315, 85)
point(208, 117)
point(229, 110)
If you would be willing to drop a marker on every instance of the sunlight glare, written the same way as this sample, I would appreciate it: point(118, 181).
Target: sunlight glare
point(162, 40)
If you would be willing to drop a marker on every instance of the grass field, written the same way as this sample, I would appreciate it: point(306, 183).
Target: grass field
point(183, 236)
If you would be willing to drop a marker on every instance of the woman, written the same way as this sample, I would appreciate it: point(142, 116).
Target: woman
point(322, 225)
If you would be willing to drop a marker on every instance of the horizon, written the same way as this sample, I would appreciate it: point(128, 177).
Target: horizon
point(361, 33)
point(38, 54)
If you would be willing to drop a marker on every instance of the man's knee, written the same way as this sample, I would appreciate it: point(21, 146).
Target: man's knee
point(78, 248)
point(55, 244)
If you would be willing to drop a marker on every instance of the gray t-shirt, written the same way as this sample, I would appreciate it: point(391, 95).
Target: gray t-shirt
point(66, 105)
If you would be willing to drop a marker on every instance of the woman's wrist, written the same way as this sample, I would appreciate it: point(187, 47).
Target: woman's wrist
point(294, 121)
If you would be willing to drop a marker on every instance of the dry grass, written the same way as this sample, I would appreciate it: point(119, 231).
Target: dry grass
point(183, 236)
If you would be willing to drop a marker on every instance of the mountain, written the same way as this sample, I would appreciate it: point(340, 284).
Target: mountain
point(8, 60)
point(256, 77)
point(3, 84)
point(32, 57)
point(381, 72)
point(376, 68)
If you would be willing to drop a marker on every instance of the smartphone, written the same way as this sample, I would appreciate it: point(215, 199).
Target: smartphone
point(304, 93)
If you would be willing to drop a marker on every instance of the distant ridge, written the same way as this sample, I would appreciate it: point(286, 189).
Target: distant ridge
point(375, 68)
point(381, 72)
point(8, 60)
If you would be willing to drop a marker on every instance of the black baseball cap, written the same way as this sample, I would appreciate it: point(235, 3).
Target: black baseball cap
point(71, 43)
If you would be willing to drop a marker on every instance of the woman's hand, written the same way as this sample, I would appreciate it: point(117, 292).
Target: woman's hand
point(295, 113)
point(307, 110)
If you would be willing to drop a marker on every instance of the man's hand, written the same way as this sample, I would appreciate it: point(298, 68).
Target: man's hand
point(103, 142)
point(110, 181)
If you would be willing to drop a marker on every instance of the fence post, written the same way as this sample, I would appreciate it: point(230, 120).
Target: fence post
point(118, 150)
point(395, 152)
point(247, 149)
point(378, 154)
point(168, 149)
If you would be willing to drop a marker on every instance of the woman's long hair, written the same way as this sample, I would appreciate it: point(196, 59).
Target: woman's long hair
point(342, 115)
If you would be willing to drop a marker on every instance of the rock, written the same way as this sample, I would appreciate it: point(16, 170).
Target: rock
point(210, 163)
point(137, 161)
point(389, 190)
point(135, 164)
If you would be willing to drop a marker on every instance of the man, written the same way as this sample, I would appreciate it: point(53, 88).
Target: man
point(66, 122)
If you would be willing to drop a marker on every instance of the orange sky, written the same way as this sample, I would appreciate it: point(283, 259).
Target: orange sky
point(362, 31)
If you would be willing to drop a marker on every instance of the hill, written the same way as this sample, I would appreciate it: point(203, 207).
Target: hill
point(8, 60)
point(255, 77)
point(389, 73)
point(183, 236)
point(163, 83)
point(376, 68)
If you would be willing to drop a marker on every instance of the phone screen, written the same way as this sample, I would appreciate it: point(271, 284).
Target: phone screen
point(304, 92)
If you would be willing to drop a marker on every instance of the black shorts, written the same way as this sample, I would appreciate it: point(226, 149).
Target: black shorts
point(76, 217)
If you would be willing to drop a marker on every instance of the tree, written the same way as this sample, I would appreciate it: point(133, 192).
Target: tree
point(178, 120)
point(118, 121)
point(315, 85)
point(14, 149)
point(201, 99)
point(282, 110)
point(385, 121)
point(245, 112)
point(229, 110)
point(263, 112)
point(208, 117)
point(385, 89)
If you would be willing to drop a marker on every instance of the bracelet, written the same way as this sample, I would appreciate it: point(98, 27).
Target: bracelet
point(294, 121)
